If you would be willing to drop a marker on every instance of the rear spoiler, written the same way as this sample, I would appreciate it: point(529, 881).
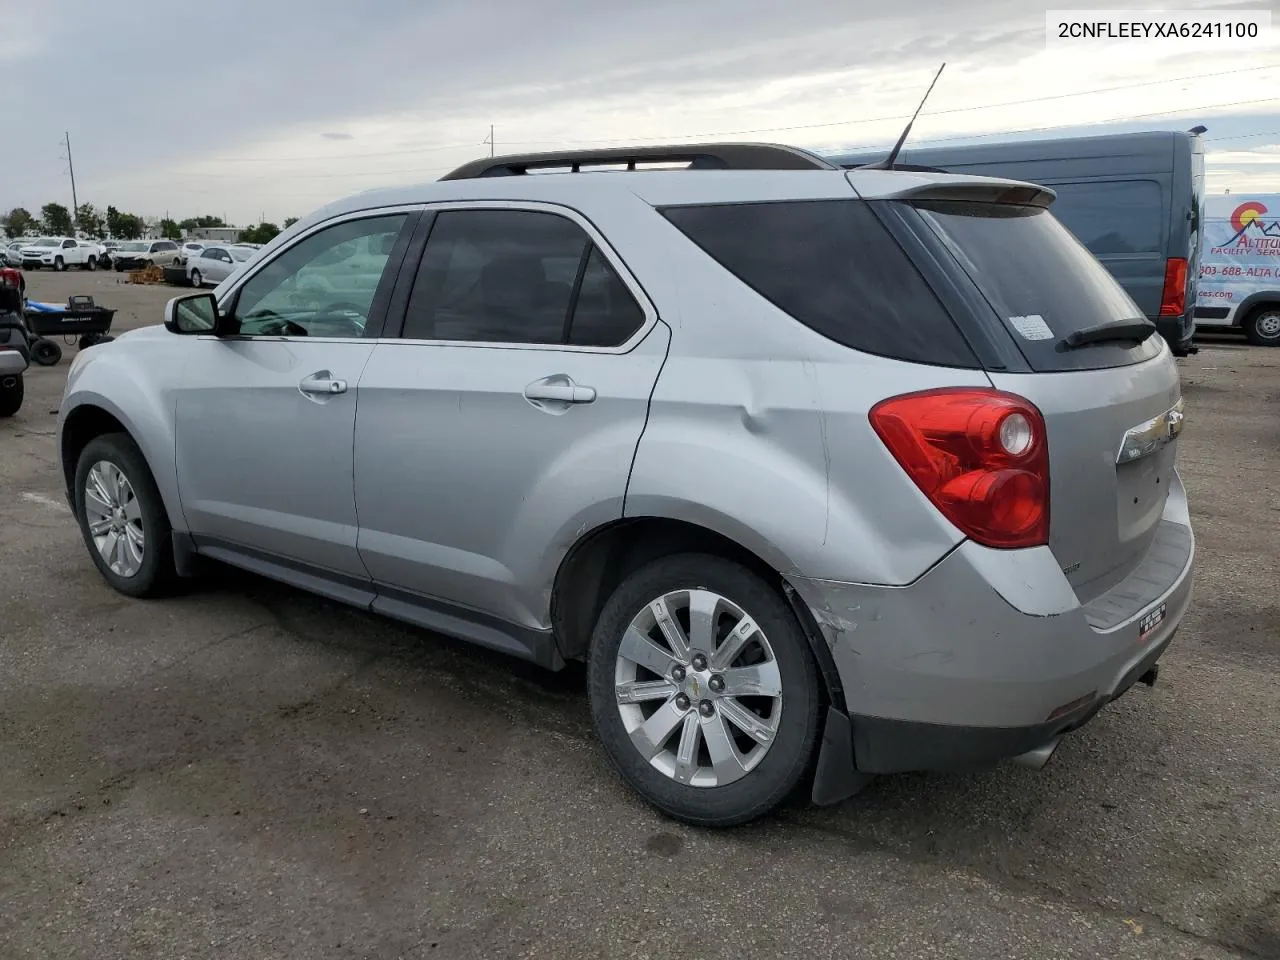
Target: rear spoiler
point(1014, 194)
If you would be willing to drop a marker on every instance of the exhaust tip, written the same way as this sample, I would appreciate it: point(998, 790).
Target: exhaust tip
point(1037, 758)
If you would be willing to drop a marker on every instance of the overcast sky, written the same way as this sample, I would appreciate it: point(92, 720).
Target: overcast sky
point(275, 107)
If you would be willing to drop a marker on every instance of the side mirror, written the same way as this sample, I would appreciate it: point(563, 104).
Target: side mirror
point(193, 314)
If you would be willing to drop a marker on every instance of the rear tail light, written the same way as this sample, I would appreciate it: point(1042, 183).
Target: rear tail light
point(1173, 301)
point(980, 456)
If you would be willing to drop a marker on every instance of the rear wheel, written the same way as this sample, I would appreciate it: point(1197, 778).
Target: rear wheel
point(91, 263)
point(122, 517)
point(1262, 327)
point(691, 661)
point(11, 394)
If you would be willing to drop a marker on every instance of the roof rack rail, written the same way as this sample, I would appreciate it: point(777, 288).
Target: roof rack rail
point(699, 156)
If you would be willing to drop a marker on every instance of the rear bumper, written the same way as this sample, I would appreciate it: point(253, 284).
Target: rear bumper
point(990, 654)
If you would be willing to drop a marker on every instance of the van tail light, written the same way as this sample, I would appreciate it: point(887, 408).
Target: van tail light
point(981, 456)
point(1173, 301)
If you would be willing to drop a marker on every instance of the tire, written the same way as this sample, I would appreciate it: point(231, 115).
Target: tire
point(59, 264)
point(773, 775)
point(1262, 326)
point(11, 397)
point(153, 574)
point(46, 352)
point(88, 340)
point(119, 268)
point(196, 279)
point(91, 264)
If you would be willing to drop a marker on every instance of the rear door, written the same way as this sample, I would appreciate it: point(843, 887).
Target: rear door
point(1112, 407)
point(502, 423)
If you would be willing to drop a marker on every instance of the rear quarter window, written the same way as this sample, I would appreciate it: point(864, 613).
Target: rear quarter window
point(833, 266)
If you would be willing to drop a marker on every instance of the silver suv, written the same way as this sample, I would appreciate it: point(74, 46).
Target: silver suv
point(823, 473)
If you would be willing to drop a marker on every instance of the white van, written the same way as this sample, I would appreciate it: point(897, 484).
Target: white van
point(1240, 266)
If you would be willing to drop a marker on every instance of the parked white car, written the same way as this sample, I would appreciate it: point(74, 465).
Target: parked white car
point(59, 253)
point(212, 265)
point(189, 249)
point(11, 253)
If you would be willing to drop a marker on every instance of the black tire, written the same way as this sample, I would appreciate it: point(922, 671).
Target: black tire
point(59, 264)
point(1262, 326)
point(46, 352)
point(91, 264)
point(196, 279)
point(11, 397)
point(119, 268)
point(87, 341)
point(156, 575)
point(790, 756)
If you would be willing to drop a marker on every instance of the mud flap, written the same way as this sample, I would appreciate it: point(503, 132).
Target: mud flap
point(835, 778)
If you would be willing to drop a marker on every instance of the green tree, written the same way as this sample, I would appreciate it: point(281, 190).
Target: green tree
point(262, 233)
point(289, 222)
point(18, 222)
point(56, 219)
point(193, 223)
point(128, 226)
point(113, 222)
point(170, 230)
point(90, 221)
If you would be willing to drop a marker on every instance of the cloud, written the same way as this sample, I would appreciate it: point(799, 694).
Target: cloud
point(293, 111)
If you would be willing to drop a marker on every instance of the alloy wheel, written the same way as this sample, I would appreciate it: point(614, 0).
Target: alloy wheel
point(698, 688)
point(114, 517)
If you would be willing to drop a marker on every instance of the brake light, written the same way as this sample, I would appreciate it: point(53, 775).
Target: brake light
point(1173, 301)
point(981, 456)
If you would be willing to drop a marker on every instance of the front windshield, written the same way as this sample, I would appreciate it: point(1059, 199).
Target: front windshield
point(43, 242)
point(135, 246)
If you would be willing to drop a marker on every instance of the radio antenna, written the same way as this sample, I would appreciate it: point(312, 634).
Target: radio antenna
point(887, 162)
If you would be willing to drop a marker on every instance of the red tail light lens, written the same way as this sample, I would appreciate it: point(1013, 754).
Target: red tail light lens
point(980, 456)
point(1173, 301)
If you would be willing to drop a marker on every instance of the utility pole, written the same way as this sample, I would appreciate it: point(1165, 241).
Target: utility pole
point(75, 204)
point(490, 140)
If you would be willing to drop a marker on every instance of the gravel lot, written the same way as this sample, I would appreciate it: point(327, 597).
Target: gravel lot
point(247, 771)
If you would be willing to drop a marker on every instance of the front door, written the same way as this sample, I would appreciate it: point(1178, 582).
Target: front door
point(502, 424)
point(265, 419)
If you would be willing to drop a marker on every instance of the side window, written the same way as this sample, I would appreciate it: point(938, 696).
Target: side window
point(606, 313)
point(496, 276)
point(1114, 216)
point(68, 244)
point(308, 290)
point(517, 276)
point(211, 253)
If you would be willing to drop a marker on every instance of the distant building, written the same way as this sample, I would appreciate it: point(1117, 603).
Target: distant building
point(216, 234)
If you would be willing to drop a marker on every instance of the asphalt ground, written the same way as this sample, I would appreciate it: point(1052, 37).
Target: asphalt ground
point(247, 771)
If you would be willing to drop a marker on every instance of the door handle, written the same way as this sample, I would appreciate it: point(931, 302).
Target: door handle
point(322, 383)
point(559, 388)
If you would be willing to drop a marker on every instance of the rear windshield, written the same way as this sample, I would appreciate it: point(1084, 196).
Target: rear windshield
point(833, 266)
point(1040, 280)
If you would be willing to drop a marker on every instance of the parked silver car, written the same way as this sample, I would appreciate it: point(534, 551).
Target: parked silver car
point(825, 474)
point(212, 265)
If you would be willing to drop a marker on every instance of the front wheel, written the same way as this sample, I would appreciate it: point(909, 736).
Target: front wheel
point(122, 518)
point(1263, 326)
point(11, 394)
point(196, 279)
point(703, 689)
point(59, 264)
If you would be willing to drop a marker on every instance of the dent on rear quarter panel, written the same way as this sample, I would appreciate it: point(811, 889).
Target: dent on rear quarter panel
point(133, 380)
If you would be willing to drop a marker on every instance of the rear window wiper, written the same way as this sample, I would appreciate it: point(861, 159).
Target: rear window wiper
point(1136, 329)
